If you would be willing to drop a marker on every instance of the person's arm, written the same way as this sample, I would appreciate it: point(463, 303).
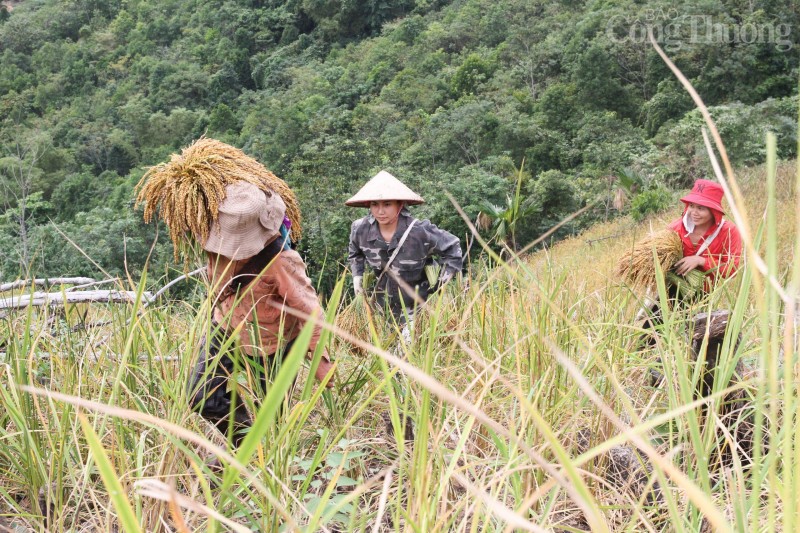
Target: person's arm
point(447, 247)
point(356, 258)
point(294, 286)
point(689, 263)
point(726, 262)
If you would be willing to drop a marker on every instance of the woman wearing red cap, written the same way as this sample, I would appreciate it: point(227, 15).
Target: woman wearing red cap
point(710, 243)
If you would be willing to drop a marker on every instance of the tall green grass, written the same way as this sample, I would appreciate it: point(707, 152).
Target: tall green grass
point(524, 388)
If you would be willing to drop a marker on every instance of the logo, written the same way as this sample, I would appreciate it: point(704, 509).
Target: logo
point(673, 30)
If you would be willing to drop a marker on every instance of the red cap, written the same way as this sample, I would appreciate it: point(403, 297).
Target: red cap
point(706, 193)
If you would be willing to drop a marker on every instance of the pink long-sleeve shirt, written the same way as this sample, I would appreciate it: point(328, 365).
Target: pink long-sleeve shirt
point(283, 284)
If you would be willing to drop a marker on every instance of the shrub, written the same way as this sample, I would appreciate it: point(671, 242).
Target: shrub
point(649, 202)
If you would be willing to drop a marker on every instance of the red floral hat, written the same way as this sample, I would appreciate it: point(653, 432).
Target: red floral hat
point(706, 193)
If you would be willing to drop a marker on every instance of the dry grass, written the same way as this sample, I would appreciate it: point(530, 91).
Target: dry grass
point(493, 347)
point(638, 267)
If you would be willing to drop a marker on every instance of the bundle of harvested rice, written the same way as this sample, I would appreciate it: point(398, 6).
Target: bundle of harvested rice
point(432, 273)
point(637, 266)
point(689, 286)
point(188, 190)
point(355, 319)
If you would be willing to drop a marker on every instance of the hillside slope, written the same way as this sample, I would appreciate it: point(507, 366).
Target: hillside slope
point(591, 256)
point(326, 93)
point(530, 392)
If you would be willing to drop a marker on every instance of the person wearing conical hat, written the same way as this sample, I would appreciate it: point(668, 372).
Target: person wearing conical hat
point(710, 243)
point(397, 246)
point(242, 216)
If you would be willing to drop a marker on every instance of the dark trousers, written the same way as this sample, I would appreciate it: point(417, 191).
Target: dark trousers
point(213, 396)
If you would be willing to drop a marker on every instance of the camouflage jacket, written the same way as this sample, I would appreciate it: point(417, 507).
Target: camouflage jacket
point(424, 242)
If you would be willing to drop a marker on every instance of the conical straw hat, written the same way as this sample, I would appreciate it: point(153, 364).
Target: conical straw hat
point(384, 186)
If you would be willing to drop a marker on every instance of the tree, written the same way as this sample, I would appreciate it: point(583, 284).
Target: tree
point(598, 82)
point(19, 174)
point(327, 168)
point(472, 187)
point(108, 148)
point(464, 134)
point(222, 119)
point(550, 198)
point(339, 20)
point(504, 219)
point(469, 77)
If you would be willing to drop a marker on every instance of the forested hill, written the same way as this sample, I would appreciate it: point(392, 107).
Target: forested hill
point(449, 96)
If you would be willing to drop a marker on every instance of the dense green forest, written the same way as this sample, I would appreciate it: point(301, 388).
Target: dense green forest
point(452, 97)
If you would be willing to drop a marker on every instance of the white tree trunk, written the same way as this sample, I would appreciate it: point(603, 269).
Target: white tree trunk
point(44, 281)
point(59, 298)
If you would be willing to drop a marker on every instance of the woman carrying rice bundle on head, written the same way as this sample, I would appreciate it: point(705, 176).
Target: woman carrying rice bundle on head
point(243, 217)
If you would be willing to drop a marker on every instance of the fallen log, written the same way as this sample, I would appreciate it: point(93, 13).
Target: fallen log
point(96, 296)
point(166, 287)
point(716, 322)
point(47, 282)
point(60, 298)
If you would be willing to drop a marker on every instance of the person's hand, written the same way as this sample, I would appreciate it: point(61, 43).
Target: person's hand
point(324, 368)
point(443, 280)
point(357, 280)
point(405, 334)
point(689, 263)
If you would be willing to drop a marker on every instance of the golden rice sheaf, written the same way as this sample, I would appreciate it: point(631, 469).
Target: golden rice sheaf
point(188, 191)
point(637, 266)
